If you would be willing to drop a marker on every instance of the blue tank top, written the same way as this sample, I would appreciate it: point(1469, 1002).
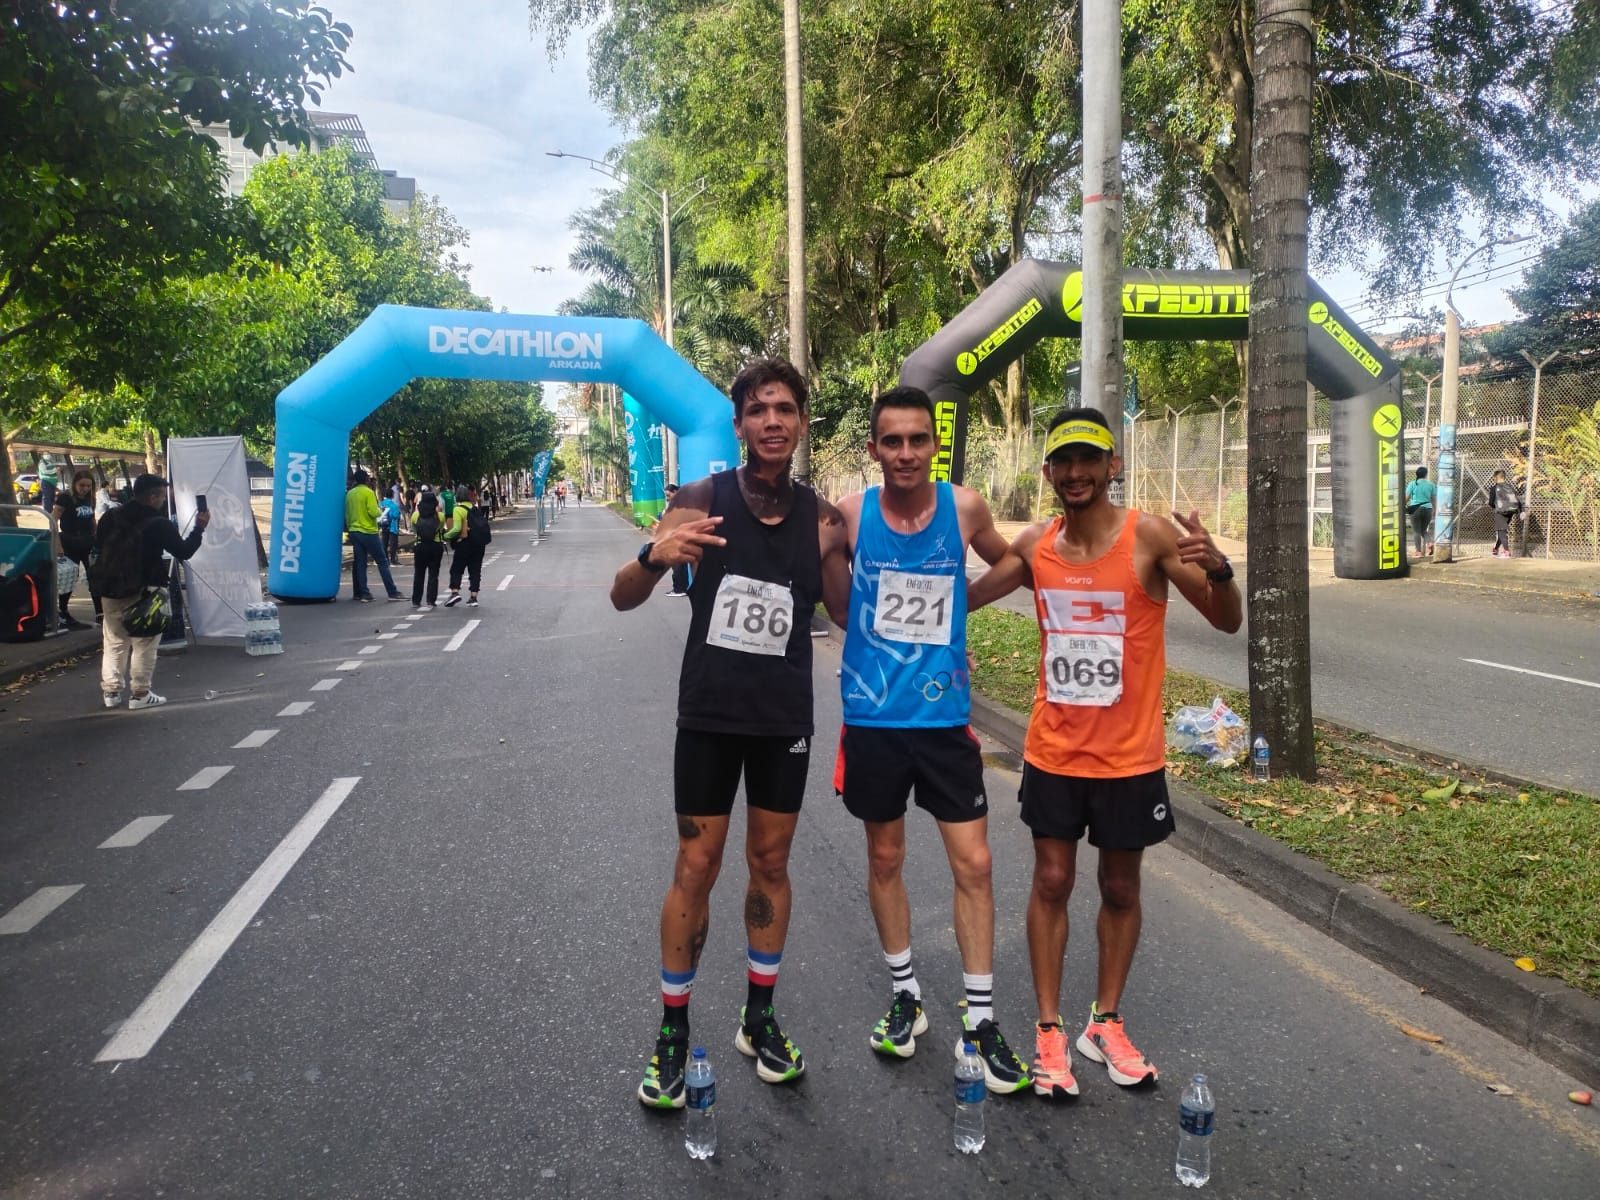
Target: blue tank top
point(905, 650)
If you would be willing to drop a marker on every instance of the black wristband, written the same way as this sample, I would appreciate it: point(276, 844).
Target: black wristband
point(1223, 574)
point(644, 560)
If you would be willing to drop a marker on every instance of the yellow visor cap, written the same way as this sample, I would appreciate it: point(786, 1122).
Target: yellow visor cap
point(1086, 433)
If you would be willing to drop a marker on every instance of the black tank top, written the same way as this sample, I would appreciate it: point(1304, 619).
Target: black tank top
point(722, 690)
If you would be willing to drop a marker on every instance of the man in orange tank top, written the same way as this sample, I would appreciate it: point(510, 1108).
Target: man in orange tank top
point(1095, 757)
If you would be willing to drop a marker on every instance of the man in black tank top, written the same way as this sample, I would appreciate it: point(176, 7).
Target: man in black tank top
point(764, 550)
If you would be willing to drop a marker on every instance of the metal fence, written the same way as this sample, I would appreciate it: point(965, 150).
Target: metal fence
point(1195, 459)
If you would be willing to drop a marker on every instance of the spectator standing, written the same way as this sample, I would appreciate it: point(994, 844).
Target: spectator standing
point(1506, 502)
point(132, 540)
point(104, 500)
point(469, 533)
point(74, 513)
point(680, 573)
point(447, 501)
point(49, 482)
point(427, 553)
point(389, 526)
point(361, 520)
point(1419, 507)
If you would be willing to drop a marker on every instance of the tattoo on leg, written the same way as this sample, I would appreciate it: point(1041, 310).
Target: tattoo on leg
point(688, 827)
point(697, 943)
point(758, 912)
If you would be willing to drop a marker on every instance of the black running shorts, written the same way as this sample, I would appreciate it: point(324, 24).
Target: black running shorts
point(878, 768)
point(1119, 814)
point(706, 769)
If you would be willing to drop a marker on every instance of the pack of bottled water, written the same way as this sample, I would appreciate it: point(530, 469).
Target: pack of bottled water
point(262, 633)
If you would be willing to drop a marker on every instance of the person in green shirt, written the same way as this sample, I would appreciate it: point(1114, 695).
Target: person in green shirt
point(1419, 507)
point(361, 521)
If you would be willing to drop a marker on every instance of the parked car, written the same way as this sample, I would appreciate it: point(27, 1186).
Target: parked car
point(27, 488)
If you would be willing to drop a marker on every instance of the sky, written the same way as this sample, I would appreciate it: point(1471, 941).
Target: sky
point(459, 95)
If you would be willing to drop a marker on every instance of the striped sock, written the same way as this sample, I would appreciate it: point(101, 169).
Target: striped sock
point(763, 978)
point(905, 979)
point(675, 987)
point(980, 998)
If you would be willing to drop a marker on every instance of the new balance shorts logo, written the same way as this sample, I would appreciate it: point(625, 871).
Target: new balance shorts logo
point(803, 746)
point(1160, 812)
point(978, 800)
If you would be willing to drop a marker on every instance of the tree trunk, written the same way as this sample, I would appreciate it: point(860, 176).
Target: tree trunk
point(8, 487)
point(444, 468)
point(1279, 588)
point(151, 450)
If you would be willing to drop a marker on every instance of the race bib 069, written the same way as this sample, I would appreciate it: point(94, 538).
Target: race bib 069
point(752, 616)
point(1083, 668)
point(914, 608)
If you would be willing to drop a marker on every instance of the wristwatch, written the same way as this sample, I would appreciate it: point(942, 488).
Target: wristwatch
point(1223, 574)
point(644, 559)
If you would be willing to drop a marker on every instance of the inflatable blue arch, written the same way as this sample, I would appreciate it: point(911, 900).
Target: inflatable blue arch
point(396, 345)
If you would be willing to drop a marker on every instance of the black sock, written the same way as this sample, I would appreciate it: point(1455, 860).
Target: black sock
point(675, 1017)
point(757, 1000)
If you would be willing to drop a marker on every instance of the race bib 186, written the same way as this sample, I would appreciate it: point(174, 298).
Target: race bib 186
point(914, 608)
point(752, 616)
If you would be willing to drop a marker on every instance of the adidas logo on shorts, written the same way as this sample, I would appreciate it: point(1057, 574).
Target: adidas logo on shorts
point(800, 747)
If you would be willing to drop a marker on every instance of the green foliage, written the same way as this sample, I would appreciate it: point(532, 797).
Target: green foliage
point(1560, 295)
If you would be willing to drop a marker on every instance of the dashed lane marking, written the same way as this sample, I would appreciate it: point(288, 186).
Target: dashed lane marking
point(134, 832)
point(1483, 662)
point(37, 907)
point(465, 632)
point(369, 649)
point(504, 583)
point(349, 664)
point(204, 778)
point(255, 740)
point(139, 1033)
point(299, 708)
point(524, 558)
point(387, 637)
point(325, 685)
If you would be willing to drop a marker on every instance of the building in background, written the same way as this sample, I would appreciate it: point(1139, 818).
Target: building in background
point(328, 129)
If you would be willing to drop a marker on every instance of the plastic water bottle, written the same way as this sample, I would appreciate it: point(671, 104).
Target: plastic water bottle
point(273, 639)
point(970, 1094)
point(700, 1090)
point(1260, 760)
point(252, 629)
point(1196, 1115)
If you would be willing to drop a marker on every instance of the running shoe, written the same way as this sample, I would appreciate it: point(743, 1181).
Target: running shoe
point(1052, 1062)
point(455, 599)
point(1105, 1041)
point(148, 700)
point(114, 700)
point(473, 602)
point(662, 1086)
point(896, 1033)
point(1003, 1071)
point(778, 1060)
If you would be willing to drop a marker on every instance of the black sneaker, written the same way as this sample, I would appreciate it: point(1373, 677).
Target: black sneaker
point(778, 1060)
point(662, 1086)
point(896, 1033)
point(455, 599)
point(1003, 1071)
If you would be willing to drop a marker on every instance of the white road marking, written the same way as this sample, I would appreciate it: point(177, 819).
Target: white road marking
point(369, 649)
point(134, 832)
point(524, 558)
point(256, 740)
point(299, 708)
point(403, 626)
point(140, 1032)
point(204, 778)
point(387, 637)
point(504, 583)
point(466, 631)
point(37, 907)
point(1483, 662)
point(349, 664)
point(325, 685)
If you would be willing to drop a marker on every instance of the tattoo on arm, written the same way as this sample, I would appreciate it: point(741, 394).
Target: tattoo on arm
point(758, 913)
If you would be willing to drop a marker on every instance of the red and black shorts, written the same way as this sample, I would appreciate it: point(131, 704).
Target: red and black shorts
point(877, 769)
point(1118, 814)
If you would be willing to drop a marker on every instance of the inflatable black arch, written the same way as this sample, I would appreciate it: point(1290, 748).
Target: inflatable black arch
point(1036, 299)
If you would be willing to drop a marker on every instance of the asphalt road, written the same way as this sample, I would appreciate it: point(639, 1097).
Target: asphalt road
point(406, 947)
point(1504, 680)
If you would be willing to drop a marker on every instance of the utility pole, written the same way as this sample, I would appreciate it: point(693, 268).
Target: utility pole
point(1533, 439)
point(793, 135)
point(1102, 213)
point(1444, 513)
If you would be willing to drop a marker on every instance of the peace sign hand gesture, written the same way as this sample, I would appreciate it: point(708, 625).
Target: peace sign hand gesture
point(1195, 545)
point(685, 543)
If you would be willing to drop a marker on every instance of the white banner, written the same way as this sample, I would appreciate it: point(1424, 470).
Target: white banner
point(224, 575)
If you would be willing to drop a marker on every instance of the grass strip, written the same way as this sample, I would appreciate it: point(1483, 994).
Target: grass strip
point(1516, 870)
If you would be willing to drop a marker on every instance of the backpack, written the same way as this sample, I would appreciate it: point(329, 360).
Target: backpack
point(1505, 499)
point(426, 528)
point(478, 527)
point(117, 568)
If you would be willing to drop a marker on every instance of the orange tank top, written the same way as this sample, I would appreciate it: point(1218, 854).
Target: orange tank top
point(1102, 660)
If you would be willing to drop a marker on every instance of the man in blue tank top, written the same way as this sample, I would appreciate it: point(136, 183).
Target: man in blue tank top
point(907, 700)
point(764, 550)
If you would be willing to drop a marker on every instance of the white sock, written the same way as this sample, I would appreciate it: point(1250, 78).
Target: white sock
point(980, 998)
point(905, 979)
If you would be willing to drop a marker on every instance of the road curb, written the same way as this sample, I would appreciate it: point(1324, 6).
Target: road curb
point(1559, 1024)
point(61, 648)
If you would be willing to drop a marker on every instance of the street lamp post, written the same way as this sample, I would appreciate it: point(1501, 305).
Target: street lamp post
point(667, 213)
point(1445, 488)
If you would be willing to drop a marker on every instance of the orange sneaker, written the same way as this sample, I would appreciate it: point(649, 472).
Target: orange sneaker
point(1105, 1041)
point(1052, 1062)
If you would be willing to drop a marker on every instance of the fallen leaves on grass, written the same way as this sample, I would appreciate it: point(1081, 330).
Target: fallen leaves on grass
point(1422, 1035)
point(1443, 791)
point(1525, 964)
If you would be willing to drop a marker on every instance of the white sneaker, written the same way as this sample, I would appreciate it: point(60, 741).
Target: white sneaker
point(112, 701)
point(148, 700)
